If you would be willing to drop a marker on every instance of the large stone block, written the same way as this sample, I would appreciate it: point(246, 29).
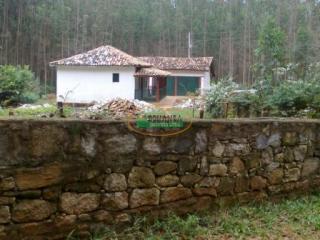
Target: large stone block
point(300, 152)
point(115, 201)
point(165, 167)
point(292, 174)
point(144, 197)
point(7, 200)
point(77, 203)
point(237, 149)
point(258, 183)
point(7, 184)
point(141, 177)
point(288, 154)
point(4, 146)
point(32, 210)
point(218, 170)
point(205, 192)
point(237, 166)
point(190, 180)
point(39, 177)
point(204, 166)
point(180, 145)
point(88, 144)
point(167, 181)
point(262, 141)
point(274, 140)
point(253, 160)
point(267, 156)
point(121, 144)
point(103, 216)
point(174, 194)
point(290, 138)
point(241, 184)
point(226, 186)
point(275, 176)
point(152, 146)
point(310, 167)
point(4, 214)
point(115, 182)
point(47, 141)
point(201, 141)
point(209, 182)
point(187, 164)
point(218, 149)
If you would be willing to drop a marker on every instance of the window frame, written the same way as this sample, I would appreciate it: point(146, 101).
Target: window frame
point(115, 77)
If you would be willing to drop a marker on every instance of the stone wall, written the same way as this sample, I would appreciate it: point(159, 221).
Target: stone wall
point(56, 176)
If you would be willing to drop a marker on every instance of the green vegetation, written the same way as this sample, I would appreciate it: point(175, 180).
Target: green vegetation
point(289, 219)
point(37, 32)
point(270, 50)
point(288, 98)
point(48, 111)
point(17, 85)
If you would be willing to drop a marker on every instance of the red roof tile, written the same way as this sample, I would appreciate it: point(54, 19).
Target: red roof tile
point(151, 72)
point(180, 63)
point(102, 56)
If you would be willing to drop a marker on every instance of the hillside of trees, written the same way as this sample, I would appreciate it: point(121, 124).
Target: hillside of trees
point(242, 35)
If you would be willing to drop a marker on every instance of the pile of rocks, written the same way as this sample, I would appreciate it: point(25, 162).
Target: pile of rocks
point(191, 103)
point(116, 109)
point(35, 106)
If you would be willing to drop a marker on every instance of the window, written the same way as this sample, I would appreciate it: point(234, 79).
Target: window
point(115, 77)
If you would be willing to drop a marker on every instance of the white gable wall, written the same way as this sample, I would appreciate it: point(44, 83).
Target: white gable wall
point(87, 84)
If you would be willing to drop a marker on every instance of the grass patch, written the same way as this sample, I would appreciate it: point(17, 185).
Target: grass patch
point(34, 113)
point(290, 219)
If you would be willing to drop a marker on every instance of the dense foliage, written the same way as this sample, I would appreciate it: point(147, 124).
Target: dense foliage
point(287, 98)
point(17, 85)
point(37, 32)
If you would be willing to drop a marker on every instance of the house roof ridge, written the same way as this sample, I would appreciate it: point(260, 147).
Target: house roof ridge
point(105, 55)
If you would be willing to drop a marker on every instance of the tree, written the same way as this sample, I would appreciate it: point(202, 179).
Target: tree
point(37, 32)
point(17, 84)
point(303, 51)
point(271, 50)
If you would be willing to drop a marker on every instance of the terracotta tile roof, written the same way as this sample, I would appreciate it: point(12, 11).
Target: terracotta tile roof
point(102, 56)
point(180, 63)
point(151, 72)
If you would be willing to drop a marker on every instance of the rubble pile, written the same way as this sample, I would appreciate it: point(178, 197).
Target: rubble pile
point(33, 106)
point(190, 103)
point(116, 109)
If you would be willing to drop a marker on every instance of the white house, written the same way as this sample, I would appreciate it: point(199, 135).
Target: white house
point(106, 72)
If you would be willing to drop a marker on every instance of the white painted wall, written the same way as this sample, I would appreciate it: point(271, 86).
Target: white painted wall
point(87, 84)
point(205, 77)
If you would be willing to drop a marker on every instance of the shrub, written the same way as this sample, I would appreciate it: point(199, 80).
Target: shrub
point(17, 84)
point(217, 95)
point(287, 98)
point(290, 97)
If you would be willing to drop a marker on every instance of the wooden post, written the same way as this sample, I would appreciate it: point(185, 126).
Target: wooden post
point(175, 86)
point(60, 109)
point(141, 88)
point(201, 112)
point(158, 89)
